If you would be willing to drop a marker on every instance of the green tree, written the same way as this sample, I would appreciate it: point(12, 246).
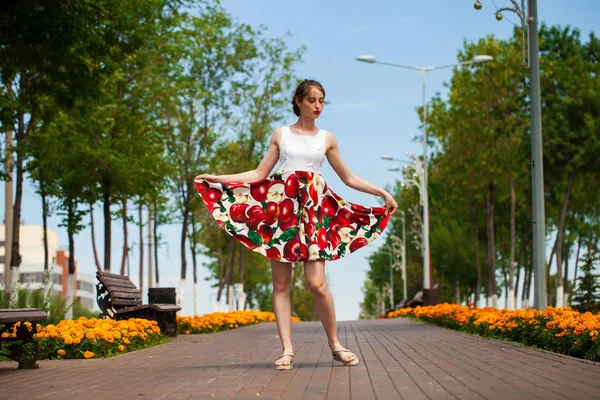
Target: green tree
point(570, 100)
point(587, 295)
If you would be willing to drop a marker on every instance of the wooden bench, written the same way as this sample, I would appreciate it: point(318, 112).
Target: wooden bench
point(24, 348)
point(118, 298)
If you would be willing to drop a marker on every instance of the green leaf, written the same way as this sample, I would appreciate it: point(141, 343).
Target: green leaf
point(326, 221)
point(230, 227)
point(288, 235)
point(255, 238)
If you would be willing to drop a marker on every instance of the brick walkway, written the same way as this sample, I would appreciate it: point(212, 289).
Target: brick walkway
point(399, 359)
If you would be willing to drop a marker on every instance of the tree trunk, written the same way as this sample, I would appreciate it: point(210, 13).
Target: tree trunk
point(513, 207)
point(559, 242)
point(457, 290)
point(221, 259)
point(548, 282)
point(229, 278)
point(248, 302)
point(156, 241)
point(71, 281)
point(576, 265)
point(141, 218)
point(521, 264)
point(240, 293)
point(477, 262)
point(193, 248)
point(107, 219)
point(94, 248)
point(492, 295)
point(150, 261)
point(44, 220)
point(15, 257)
point(504, 268)
point(526, 293)
point(566, 275)
point(125, 237)
point(184, 229)
point(225, 267)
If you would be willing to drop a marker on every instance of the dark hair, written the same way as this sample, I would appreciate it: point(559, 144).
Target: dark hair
point(302, 91)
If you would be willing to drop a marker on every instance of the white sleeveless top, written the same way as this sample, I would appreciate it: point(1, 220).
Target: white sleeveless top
point(301, 153)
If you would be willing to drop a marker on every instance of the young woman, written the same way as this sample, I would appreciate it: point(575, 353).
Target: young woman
point(293, 216)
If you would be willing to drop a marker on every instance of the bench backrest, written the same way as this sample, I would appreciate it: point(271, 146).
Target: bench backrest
point(122, 291)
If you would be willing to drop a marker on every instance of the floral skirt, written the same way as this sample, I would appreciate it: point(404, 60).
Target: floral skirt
point(292, 216)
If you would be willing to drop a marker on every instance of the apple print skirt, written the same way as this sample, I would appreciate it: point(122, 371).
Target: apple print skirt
point(292, 216)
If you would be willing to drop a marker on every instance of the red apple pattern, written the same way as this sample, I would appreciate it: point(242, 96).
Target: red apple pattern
point(292, 216)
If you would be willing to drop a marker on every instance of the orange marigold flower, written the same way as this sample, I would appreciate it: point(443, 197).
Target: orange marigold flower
point(88, 354)
point(61, 352)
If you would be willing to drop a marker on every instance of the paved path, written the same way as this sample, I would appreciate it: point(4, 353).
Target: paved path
point(399, 359)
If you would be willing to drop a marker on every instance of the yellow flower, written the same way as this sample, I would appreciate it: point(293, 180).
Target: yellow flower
point(121, 348)
point(88, 354)
point(61, 352)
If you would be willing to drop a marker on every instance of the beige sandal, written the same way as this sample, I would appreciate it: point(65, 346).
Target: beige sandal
point(336, 356)
point(288, 365)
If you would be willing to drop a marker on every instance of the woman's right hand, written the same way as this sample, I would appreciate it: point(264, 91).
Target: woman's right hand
point(206, 177)
point(390, 203)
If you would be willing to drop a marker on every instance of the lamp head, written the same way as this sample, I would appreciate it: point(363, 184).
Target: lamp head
point(366, 58)
point(482, 58)
point(477, 5)
point(499, 16)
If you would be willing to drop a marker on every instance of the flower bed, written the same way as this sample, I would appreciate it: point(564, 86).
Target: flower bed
point(89, 338)
point(562, 330)
point(219, 321)
point(96, 338)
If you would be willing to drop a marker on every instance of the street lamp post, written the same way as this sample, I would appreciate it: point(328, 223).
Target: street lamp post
point(529, 21)
point(427, 273)
point(399, 244)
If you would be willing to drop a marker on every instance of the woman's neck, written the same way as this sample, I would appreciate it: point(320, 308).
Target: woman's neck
point(305, 124)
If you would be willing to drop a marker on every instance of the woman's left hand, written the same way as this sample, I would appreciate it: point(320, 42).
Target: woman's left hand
point(390, 204)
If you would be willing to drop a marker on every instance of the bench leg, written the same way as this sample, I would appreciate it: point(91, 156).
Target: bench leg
point(27, 352)
point(167, 321)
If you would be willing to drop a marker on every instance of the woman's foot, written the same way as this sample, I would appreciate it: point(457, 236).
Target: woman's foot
point(343, 355)
point(285, 361)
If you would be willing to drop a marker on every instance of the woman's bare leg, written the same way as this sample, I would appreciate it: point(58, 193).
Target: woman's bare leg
point(282, 282)
point(314, 272)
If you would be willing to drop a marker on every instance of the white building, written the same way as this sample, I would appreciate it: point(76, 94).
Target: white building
point(31, 271)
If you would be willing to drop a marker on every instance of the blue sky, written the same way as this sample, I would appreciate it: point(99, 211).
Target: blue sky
point(371, 107)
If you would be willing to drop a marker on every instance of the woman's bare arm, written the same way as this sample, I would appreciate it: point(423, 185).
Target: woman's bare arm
point(339, 166)
point(261, 172)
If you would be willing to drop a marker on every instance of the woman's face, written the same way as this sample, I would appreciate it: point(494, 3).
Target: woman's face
point(312, 104)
